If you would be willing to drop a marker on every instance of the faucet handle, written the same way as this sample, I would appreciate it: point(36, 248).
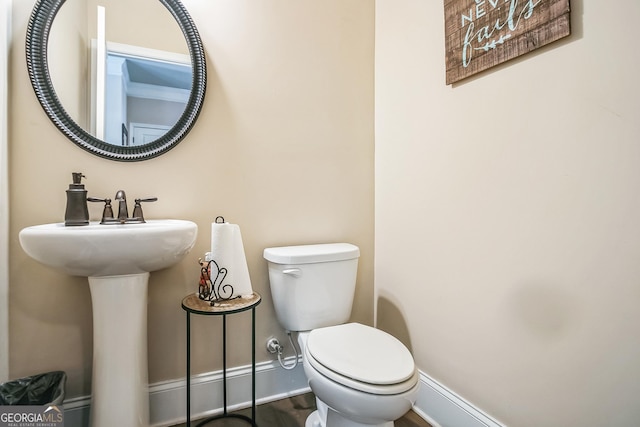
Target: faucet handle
point(137, 208)
point(107, 212)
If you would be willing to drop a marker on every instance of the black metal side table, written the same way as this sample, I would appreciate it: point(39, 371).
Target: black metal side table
point(193, 304)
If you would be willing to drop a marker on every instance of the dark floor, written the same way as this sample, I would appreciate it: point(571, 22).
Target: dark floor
point(293, 412)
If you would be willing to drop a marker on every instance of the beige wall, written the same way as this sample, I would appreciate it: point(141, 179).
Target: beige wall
point(283, 147)
point(507, 233)
point(69, 59)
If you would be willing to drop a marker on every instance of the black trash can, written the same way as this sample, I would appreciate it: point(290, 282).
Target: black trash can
point(41, 389)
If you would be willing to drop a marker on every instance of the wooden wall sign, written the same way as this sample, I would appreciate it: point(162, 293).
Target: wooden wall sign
point(482, 33)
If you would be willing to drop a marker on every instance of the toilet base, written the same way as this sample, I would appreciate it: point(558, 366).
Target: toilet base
point(313, 420)
point(336, 420)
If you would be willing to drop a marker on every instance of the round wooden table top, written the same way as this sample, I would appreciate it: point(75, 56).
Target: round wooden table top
point(193, 304)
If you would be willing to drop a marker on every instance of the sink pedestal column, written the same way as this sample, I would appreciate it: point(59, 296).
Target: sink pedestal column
point(120, 383)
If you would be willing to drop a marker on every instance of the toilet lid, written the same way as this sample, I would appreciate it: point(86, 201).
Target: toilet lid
point(362, 353)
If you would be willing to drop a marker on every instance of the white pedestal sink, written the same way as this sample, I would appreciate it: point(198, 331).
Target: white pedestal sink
point(117, 259)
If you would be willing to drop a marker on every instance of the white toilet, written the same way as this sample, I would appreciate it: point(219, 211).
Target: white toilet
point(361, 376)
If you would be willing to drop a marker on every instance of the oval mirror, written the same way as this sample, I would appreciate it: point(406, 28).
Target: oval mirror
point(183, 89)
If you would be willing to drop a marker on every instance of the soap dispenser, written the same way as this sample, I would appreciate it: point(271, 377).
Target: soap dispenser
point(77, 212)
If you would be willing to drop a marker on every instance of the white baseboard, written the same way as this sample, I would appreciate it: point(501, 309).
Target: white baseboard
point(167, 400)
point(441, 407)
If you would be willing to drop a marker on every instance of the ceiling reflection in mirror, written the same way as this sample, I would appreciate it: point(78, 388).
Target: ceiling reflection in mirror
point(124, 80)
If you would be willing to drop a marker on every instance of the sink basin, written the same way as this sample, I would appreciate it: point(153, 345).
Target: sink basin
point(110, 250)
point(117, 259)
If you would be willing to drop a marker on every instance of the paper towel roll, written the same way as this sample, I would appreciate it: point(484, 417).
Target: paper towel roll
point(227, 251)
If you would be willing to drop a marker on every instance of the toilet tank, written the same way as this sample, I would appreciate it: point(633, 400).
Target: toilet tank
point(312, 286)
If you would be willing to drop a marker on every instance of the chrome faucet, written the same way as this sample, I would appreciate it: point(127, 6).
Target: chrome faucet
point(123, 212)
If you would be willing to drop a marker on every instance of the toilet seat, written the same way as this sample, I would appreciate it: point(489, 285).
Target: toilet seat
point(362, 358)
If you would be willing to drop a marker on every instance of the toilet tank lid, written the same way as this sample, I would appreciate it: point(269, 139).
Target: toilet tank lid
point(307, 254)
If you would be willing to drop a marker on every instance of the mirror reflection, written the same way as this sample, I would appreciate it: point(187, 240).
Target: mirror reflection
point(121, 69)
point(144, 97)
